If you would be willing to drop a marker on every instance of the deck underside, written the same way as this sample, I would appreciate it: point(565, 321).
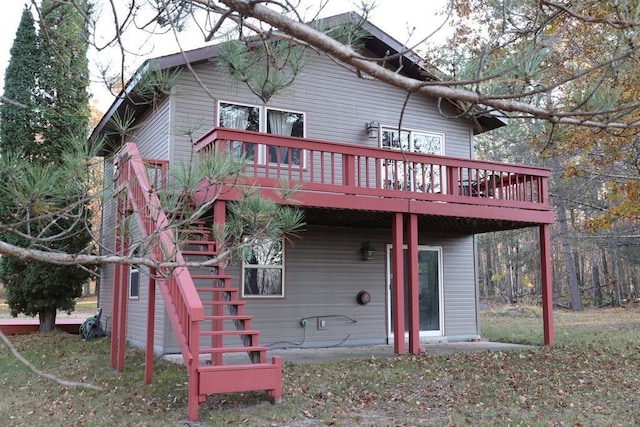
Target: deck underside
point(382, 220)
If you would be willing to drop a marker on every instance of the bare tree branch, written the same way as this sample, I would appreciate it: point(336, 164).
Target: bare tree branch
point(348, 55)
point(38, 372)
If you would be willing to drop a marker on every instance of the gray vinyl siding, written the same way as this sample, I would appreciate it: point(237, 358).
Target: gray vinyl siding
point(336, 102)
point(152, 134)
point(324, 272)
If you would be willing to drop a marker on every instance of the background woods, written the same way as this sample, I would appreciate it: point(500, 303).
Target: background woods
point(595, 251)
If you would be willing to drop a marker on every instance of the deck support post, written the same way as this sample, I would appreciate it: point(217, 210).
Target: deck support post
point(413, 291)
point(151, 313)
point(120, 286)
point(397, 287)
point(122, 313)
point(547, 287)
point(113, 356)
point(217, 341)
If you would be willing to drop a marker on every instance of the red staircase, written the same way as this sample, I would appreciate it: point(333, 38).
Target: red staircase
point(207, 317)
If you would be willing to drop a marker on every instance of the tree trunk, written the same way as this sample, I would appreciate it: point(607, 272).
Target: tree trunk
point(47, 320)
point(510, 297)
point(517, 291)
point(605, 272)
point(489, 288)
point(579, 261)
point(617, 298)
point(574, 288)
point(597, 287)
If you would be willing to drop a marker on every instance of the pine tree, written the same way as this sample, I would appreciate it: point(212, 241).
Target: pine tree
point(55, 121)
point(19, 117)
point(65, 76)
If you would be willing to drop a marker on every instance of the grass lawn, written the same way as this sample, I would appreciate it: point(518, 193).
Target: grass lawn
point(591, 377)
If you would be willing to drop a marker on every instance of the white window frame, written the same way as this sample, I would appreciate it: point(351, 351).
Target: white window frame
point(257, 149)
point(302, 156)
point(134, 272)
point(281, 267)
point(393, 182)
point(412, 131)
point(261, 151)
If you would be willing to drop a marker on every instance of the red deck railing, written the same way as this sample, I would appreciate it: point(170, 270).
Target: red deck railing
point(330, 167)
point(183, 304)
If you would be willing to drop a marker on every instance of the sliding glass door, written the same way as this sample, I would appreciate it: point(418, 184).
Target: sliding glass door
point(429, 289)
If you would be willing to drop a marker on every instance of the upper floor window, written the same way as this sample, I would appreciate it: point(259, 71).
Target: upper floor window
point(242, 117)
point(413, 141)
point(289, 124)
point(412, 175)
point(267, 120)
point(263, 270)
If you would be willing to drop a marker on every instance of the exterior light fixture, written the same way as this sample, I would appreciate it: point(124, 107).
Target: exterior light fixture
point(372, 129)
point(367, 251)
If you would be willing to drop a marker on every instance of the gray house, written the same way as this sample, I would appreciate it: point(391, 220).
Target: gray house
point(391, 211)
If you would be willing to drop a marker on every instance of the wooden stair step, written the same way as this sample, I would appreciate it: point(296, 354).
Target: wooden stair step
point(236, 302)
point(230, 290)
point(194, 232)
point(233, 367)
point(247, 349)
point(195, 239)
point(200, 231)
point(198, 252)
point(229, 332)
point(199, 242)
point(242, 377)
point(212, 276)
point(229, 317)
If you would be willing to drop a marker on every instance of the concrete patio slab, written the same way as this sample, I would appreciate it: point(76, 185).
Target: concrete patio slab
point(329, 354)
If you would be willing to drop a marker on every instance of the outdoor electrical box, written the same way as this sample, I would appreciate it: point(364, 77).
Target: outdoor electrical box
point(322, 324)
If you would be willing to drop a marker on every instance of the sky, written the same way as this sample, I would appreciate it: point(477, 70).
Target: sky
point(395, 17)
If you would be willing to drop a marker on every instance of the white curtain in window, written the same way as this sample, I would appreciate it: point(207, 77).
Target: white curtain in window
point(236, 117)
point(279, 124)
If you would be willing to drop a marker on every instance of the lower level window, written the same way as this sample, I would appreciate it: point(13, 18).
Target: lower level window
point(263, 270)
point(134, 283)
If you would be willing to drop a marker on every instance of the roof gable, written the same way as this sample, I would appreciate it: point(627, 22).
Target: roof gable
point(376, 41)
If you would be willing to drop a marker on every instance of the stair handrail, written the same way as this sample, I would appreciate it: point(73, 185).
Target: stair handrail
point(187, 311)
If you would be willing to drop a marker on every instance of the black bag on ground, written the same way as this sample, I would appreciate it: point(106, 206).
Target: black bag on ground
point(92, 327)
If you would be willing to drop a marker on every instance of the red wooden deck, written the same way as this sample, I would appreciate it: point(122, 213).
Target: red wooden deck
point(372, 187)
point(27, 326)
point(370, 181)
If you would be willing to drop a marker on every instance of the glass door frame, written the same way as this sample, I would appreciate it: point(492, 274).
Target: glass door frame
point(432, 333)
